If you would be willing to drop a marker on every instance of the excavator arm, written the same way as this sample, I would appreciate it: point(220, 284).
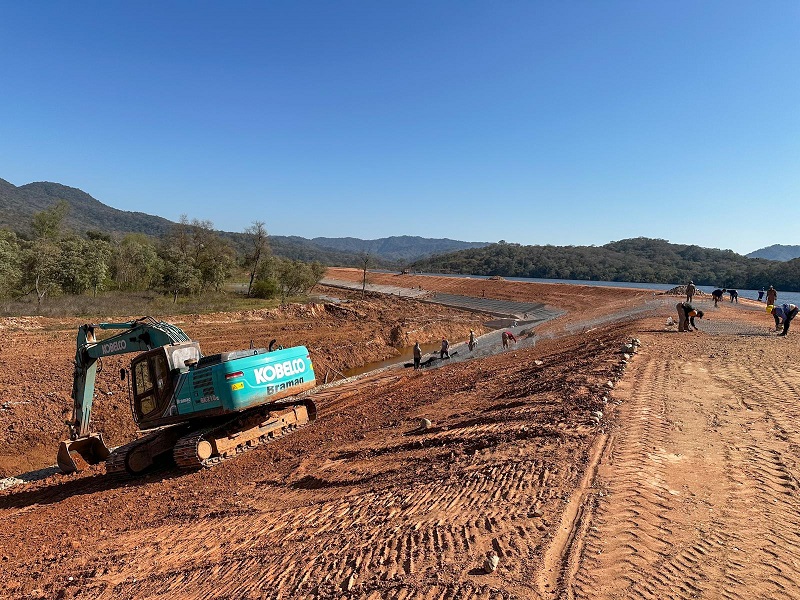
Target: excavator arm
point(138, 336)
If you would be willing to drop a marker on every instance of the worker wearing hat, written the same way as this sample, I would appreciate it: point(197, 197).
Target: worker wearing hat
point(690, 290)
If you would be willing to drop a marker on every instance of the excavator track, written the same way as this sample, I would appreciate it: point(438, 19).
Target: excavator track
point(138, 456)
point(212, 445)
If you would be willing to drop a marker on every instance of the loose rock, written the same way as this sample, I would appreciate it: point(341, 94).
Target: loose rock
point(491, 562)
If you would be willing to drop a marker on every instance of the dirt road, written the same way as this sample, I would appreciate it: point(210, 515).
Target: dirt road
point(684, 487)
point(696, 495)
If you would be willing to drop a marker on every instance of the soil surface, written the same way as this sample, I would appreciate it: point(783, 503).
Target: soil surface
point(670, 474)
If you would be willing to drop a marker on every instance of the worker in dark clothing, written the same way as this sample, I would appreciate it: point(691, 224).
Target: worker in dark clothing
point(784, 314)
point(760, 294)
point(417, 355)
point(734, 296)
point(690, 290)
point(472, 343)
point(686, 315)
point(445, 351)
point(772, 295)
point(717, 295)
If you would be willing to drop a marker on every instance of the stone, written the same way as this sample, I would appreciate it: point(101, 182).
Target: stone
point(425, 424)
point(491, 562)
point(538, 363)
point(610, 385)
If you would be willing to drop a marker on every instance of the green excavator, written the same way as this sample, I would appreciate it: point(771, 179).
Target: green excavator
point(198, 410)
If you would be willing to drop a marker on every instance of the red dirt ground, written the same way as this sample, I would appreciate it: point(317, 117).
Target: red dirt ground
point(686, 487)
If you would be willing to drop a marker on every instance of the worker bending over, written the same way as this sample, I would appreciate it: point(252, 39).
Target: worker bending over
point(507, 335)
point(686, 315)
point(784, 313)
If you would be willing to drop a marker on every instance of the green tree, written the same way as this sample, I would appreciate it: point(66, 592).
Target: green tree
point(179, 276)
point(40, 268)
point(203, 252)
point(47, 223)
point(10, 262)
point(135, 264)
point(71, 270)
point(258, 248)
point(98, 264)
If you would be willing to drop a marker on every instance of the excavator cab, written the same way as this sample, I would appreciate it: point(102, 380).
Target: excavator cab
point(152, 385)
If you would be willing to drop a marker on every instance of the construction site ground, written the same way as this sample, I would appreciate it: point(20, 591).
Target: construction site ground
point(671, 475)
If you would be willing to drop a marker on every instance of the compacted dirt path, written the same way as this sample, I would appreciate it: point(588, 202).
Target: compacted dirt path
point(697, 494)
point(671, 475)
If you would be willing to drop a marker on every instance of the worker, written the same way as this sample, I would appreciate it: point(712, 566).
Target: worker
point(690, 290)
point(717, 295)
point(686, 315)
point(772, 295)
point(507, 335)
point(784, 313)
point(471, 343)
point(761, 294)
point(734, 296)
point(445, 351)
point(417, 355)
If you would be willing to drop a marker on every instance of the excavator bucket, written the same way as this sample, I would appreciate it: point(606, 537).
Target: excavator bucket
point(91, 449)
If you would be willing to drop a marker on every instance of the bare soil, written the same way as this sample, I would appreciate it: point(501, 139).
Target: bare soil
point(684, 487)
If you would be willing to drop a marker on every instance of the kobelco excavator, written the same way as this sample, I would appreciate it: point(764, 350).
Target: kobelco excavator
point(198, 409)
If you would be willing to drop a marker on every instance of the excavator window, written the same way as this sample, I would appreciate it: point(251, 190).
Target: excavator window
point(143, 392)
point(152, 384)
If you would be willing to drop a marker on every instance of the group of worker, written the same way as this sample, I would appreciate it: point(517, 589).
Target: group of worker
point(687, 313)
point(444, 351)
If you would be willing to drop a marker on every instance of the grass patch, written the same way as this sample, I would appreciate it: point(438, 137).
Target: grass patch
point(134, 303)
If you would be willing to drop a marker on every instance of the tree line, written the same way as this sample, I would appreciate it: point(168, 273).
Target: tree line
point(191, 258)
point(642, 260)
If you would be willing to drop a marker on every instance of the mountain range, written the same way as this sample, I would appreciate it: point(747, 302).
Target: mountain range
point(19, 203)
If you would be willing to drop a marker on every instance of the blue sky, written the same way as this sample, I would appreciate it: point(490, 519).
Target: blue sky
point(537, 123)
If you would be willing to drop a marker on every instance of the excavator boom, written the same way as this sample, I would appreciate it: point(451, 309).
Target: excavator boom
point(140, 335)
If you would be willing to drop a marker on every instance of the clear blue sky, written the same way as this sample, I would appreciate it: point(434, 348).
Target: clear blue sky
point(534, 122)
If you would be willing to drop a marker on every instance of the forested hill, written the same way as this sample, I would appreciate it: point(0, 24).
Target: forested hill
point(397, 248)
point(638, 260)
point(19, 204)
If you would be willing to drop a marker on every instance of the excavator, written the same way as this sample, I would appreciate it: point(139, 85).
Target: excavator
point(200, 410)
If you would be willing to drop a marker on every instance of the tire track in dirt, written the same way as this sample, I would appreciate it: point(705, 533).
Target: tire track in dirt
point(371, 541)
point(683, 519)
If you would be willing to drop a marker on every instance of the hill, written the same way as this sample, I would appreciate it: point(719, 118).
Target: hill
point(642, 260)
point(402, 248)
point(776, 252)
point(18, 204)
